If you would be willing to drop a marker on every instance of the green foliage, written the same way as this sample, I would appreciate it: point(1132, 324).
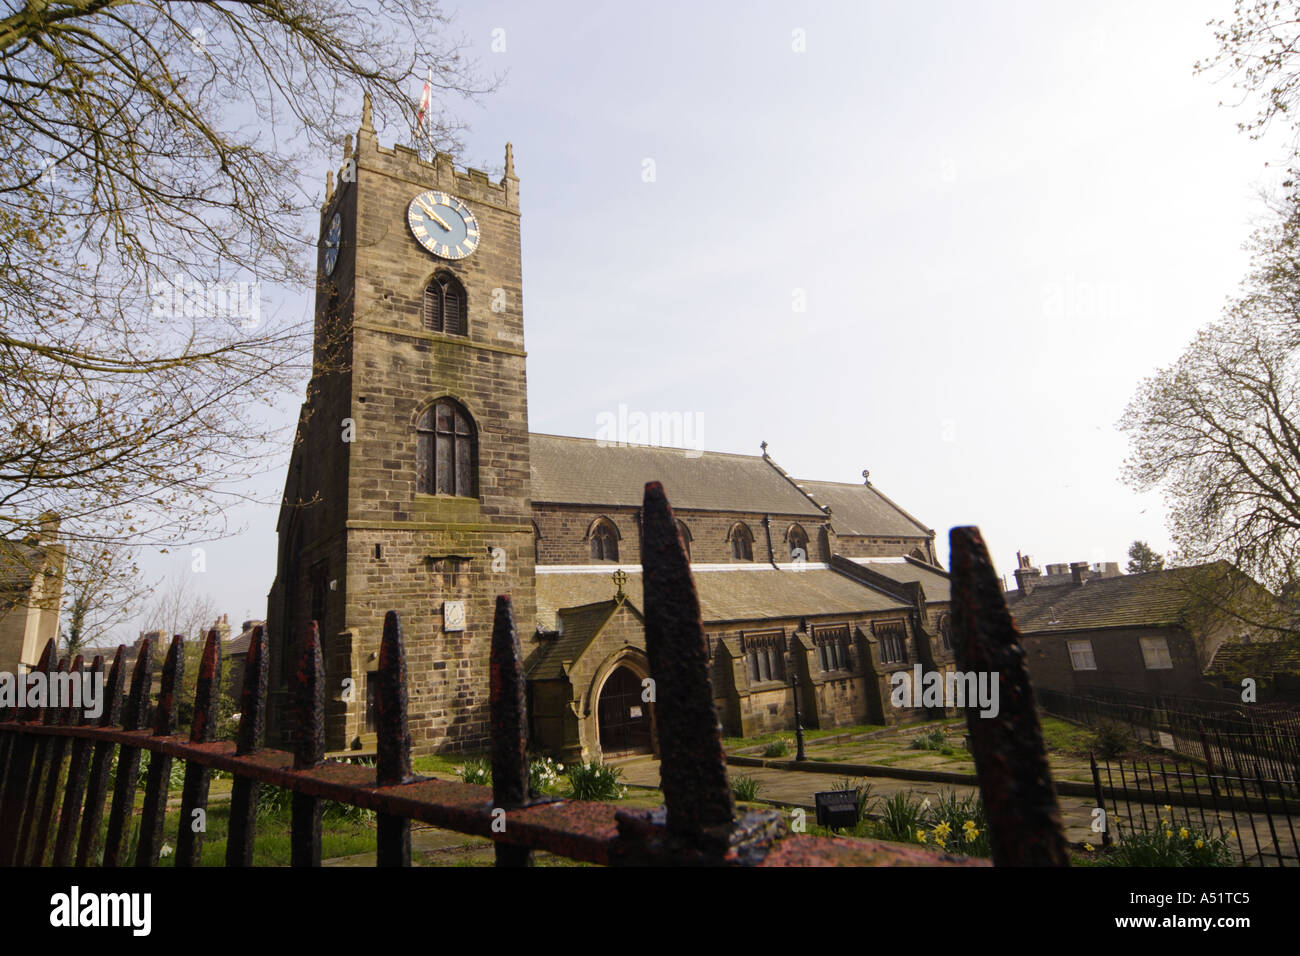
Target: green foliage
point(594, 781)
point(477, 770)
point(900, 815)
point(777, 748)
point(745, 787)
point(862, 790)
point(1167, 845)
point(1142, 559)
point(1112, 739)
point(544, 775)
point(273, 802)
point(966, 829)
point(934, 740)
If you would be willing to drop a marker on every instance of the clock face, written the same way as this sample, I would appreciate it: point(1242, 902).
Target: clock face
point(332, 237)
point(443, 224)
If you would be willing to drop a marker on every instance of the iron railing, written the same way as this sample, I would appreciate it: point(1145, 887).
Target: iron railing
point(697, 825)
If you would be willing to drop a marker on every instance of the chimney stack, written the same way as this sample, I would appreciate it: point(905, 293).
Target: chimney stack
point(1026, 575)
point(1079, 572)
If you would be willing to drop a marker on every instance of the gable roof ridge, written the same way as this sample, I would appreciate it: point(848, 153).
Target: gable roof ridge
point(798, 487)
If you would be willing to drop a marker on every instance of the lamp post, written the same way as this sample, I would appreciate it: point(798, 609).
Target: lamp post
point(798, 724)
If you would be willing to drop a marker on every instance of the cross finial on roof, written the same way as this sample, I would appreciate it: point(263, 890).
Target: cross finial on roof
point(620, 579)
point(763, 445)
point(866, 476)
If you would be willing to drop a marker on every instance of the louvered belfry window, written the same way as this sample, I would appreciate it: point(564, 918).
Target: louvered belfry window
point(444, 305)
point(445, 450)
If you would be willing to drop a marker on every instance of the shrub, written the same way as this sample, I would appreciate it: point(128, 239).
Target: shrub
point(1111, 739)
point(777, 748)
point(592, 780)
point(745, 787)
point(960, 824)
point(1169, 845)
point(934, 740)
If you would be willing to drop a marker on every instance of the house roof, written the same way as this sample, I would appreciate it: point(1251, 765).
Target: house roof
point(237, 646)
point(19, 565)
point(861, 509)
point(1154, 599)
point(1258, 657)
point(583, 471)
point(743, 594)
point(578, 627)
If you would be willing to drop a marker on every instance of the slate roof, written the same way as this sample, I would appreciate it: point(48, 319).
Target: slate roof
point(578, 628)
point(239, 645)
point(1154, 599)
point(861, 509)
point(580, 471)
point(938, 589)
point(747, 594)
point(1257, 657)
point(19, 565)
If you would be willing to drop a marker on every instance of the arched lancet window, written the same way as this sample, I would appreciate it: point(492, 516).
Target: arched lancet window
point(742, 542)
point(684, 533)
point(447, 451)
point(918, 554)
point(604, 541)
point(797, 538)
point(444, 305)
point(945, 630)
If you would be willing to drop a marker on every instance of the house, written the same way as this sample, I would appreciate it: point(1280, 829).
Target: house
point(31, 592)
point(1094, 630)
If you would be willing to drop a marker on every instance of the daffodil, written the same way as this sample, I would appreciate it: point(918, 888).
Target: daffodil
point(1090, 848)
point(1168, 808)
point(942, 829)
point(920, 836)
point(1232, 834)
point(1169, 834)
point(1183, 834)
point(1199, 843)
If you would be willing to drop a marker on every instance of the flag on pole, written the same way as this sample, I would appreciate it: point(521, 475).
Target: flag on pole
point(425, 99)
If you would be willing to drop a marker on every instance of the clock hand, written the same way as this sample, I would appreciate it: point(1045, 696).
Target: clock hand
point(428, 211)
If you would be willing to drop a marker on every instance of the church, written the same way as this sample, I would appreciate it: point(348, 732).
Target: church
point(415, 485)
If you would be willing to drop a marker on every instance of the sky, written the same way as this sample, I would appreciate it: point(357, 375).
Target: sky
point(944, 242)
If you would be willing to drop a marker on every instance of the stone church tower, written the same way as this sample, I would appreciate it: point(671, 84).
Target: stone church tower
point(408, 488)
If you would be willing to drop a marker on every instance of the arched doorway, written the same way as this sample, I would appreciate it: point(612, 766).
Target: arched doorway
point(624, 718)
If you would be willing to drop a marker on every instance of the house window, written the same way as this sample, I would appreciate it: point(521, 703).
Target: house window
point(444, 305)
point(1155, 654)
point(765, 654)
point(797, 538)
point(604, 541)
point(832, 645)
point(742, 542)
point(893, 641)
point(945, 630)
point(1081, 658)
point(446, 450)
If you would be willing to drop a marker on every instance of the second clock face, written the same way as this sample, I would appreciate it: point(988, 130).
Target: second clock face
point(443, 224)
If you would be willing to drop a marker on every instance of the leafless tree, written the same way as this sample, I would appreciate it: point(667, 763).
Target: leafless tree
point(152, 159)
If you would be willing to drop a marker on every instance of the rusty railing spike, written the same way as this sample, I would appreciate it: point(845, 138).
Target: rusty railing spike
point(153, 813)
point(252, 731)
point(78, 766)
point(1010, 758)
point(394, 744)
point(198, 778)
point(22, 757)
point(693, 771)
point(308, 750)
point(509, 732)
point(134, 711)
point(101, 761)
